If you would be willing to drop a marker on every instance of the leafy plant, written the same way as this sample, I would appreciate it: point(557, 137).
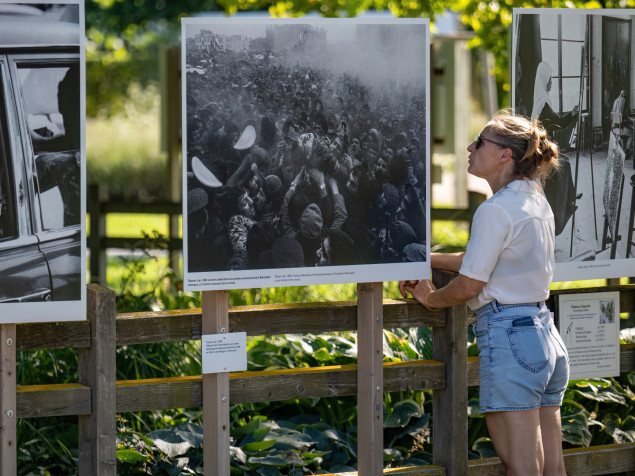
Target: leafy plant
point(47, 446)
point(298, 445)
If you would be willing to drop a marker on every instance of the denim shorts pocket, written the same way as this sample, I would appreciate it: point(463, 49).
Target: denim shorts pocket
point(530, 346)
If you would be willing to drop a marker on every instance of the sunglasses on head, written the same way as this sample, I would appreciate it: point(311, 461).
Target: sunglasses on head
point(479, 141)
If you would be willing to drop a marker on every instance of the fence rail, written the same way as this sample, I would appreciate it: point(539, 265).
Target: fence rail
point(97, 397)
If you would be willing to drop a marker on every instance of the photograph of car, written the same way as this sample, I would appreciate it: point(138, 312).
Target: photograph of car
point(42, 250)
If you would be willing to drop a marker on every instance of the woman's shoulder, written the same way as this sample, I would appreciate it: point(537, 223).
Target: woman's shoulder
point(521, 199)
point(494, 208)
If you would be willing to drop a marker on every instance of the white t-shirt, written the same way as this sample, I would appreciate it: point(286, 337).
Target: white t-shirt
point(511, 247)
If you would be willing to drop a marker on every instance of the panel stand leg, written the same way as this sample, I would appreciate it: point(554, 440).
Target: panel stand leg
point(216, 458)
point(8, 426)
point(370, 386)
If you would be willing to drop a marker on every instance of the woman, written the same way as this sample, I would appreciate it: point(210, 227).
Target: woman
point(504, 276)
point(560, 189)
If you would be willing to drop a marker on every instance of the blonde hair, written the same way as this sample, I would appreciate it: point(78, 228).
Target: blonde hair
point(534, 155)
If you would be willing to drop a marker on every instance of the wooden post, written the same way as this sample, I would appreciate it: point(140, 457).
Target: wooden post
point(171, 137)
point(449, 406)
point(370, 383)
point(96, 368)
point(8, 427)
point(97, 194)
point(215, 320)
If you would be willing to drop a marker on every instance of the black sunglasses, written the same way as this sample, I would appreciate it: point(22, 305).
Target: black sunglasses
point(479, 142)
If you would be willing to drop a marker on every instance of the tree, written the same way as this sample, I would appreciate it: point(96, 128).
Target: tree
point(123, 36)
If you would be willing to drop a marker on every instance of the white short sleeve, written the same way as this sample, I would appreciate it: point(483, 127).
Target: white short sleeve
point(491, 231)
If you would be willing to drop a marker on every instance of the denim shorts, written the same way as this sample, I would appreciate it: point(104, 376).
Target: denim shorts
point(523, 362)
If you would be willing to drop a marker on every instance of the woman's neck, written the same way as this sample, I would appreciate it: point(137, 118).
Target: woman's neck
point(498, 183)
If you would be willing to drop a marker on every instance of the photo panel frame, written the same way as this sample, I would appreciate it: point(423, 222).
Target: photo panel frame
point(42, 162)
point(306, 151)
point(573, 70)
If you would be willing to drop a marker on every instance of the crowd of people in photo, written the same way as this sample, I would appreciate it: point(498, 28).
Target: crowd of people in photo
point(290, 165)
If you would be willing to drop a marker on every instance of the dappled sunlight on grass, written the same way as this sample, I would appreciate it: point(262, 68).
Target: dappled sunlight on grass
point(589, 283)
point(449, 234)
point(120, 225)
point(148, 273)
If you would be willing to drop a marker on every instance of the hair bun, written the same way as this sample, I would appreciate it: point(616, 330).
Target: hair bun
point(534, 154)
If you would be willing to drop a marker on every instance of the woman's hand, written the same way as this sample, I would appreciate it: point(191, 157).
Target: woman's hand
point(421, 290)
point(404, 284)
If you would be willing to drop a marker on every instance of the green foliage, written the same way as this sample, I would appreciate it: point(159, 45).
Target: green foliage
point(449, 236)
point(123, 37)
point(123, 46)
point(575, 423)
point(47, 445)
point(165, 292)
point(261, 445)
point(608, 403)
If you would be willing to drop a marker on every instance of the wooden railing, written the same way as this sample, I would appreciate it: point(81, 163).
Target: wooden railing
point(97, 397)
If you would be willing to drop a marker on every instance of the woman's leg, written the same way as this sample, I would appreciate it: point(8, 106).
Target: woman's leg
point(551, 430)
point(517, 440)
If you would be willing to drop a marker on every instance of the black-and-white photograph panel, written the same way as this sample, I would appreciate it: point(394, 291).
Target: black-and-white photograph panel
point(305, 145)
point(573, 70)
point(42, 156)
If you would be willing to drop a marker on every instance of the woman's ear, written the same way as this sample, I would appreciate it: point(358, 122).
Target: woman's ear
point(506, 156)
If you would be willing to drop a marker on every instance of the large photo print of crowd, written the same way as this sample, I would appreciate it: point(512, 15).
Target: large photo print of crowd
point(305, 144)
point(572, 70)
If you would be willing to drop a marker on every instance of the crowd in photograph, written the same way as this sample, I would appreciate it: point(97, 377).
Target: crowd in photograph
point(292, 165)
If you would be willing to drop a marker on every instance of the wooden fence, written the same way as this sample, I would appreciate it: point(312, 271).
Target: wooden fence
point(99, 206)
point(97, 397)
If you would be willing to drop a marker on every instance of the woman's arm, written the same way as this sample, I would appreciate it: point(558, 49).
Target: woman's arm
point(447, 261)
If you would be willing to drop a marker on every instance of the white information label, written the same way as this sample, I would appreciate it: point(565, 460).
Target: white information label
point(590, 329)
point(224, 352)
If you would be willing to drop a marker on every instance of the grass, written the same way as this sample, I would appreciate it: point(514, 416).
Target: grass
point(123, 152)
point(121, 225)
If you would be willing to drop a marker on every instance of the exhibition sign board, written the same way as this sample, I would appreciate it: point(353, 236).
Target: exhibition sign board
point(42, 162)
point(590, 330)
point(572, 70)
point(306, 151)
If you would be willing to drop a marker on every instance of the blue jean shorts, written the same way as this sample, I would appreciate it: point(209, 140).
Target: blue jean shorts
point(523, 362)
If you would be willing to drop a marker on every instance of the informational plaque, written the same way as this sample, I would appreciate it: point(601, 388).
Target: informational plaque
point(224, 352)
point(590, 329)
